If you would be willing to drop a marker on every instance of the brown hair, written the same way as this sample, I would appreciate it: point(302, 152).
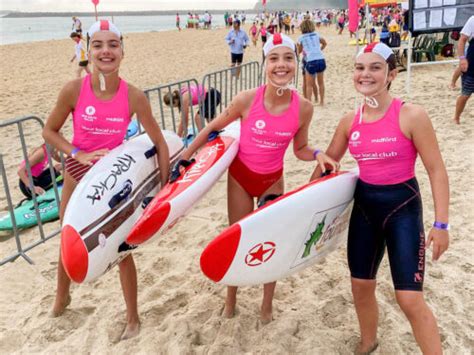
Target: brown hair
point(392, 65)
point(172, 97)
point(307, 26)
point(74, 35)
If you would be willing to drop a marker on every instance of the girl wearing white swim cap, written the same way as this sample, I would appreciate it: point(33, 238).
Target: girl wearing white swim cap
point(385, 136)
point(271, 116)
point(91, 101)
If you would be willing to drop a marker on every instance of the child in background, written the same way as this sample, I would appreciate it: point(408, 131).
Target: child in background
point(80, 54)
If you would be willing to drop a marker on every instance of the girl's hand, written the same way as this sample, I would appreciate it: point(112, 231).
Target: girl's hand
point(440, 240)
point(38, 190)
point(326, 161)
point(88, 158)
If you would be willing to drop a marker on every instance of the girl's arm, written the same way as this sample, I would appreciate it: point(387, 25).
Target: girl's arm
point(416, 122)
point(300, 142)
point(338, 146)
point(323, 43)
point(141, 106)
point(35, 158)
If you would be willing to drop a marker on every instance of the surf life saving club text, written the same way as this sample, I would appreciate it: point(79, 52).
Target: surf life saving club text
point(122, 165)
point(197, 168)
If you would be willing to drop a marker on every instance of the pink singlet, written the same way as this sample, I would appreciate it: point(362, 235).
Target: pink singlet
point(97, 123)
point(37, 169)
point(385, 156)
point(264, 137)
point(195, 91)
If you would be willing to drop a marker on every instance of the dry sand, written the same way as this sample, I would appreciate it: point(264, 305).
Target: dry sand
point(180, 308)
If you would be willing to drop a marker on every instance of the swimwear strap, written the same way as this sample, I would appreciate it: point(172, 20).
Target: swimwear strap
point(175, 173)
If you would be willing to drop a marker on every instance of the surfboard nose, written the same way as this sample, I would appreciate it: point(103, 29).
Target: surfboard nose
point(218, 256)
point(74, 254)
point(150, 223)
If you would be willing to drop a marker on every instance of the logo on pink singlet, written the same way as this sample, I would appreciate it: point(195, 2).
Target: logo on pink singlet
point(260, 124)
point(90, 110)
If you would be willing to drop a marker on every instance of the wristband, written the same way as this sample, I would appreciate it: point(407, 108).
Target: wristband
point(462, 57)
point(74, 152)
point(315, 153)
point(441, 225)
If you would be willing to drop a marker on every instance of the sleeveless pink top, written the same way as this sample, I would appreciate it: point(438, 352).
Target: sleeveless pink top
point(384, 155)
point(37, 169)
point(97, 123)
point(196, 93)
point(264, 137)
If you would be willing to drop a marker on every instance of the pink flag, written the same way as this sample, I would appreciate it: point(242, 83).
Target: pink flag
point(264, 2)
point(353, 15)
point(95, 2)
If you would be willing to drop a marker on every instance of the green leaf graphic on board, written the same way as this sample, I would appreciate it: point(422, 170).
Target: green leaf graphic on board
point(315, 236)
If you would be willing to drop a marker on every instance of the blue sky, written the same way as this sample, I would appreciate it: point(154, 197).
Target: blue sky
point(121, 5)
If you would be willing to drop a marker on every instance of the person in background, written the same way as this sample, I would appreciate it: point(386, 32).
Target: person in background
point(466, 64)
point(177, 22)
point(237, 40)
point(76, 25)
point(80, 55)
point(40, 172)
point(253, 32)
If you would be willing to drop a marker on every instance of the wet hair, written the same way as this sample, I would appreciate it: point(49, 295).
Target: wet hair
point(307, 26)
point(173, 97)
point(74, 35)
point(392, 65)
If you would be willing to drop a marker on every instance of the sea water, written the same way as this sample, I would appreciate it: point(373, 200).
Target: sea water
point(19, 30)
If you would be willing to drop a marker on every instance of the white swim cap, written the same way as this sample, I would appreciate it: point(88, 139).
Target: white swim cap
point(103, 25)
point(278, 40)
point(378, 48)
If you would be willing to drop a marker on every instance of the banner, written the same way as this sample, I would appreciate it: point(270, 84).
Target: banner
point(353, 15)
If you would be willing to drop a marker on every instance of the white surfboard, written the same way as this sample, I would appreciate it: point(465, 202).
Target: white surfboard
point(107, 202)
point(286, 235)
point(177, 198)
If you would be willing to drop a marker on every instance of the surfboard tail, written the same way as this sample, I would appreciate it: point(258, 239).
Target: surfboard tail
point(149, 224)
point(74, 254)
point(218, 256)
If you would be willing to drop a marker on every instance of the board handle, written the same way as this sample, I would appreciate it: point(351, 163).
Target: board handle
point(122, 194)
point(176, 173)
point(150, 153)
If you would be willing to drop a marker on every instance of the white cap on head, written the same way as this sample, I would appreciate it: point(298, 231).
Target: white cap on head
point(378, 48)
point(103, 25)
point(278, 40)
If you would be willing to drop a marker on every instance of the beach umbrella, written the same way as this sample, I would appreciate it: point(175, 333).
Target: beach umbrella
point(95, 2)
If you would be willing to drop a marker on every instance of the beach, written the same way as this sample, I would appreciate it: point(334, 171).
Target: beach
point(180, 308)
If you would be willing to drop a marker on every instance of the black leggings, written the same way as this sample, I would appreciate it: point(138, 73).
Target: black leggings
point(44, 180)
point(392, 216)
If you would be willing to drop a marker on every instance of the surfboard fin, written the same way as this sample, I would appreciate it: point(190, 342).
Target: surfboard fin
point(125, 247)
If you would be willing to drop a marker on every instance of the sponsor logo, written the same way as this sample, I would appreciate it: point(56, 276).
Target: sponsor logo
point(260, 124)
point(41, 210)
point(122, 165)
point(355, 135)
point(314, 238)
point(90, 110)
point(114, 119)
point(384, 140)
point(418, 277)
point(260, 253)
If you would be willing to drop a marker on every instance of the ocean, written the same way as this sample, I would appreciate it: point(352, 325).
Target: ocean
point(20, 30)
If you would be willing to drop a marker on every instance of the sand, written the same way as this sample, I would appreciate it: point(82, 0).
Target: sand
point(180, 309)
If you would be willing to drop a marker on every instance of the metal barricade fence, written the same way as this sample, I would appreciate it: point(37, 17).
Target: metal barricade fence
point(167, 114)
point(228, 84)
point(21, 248)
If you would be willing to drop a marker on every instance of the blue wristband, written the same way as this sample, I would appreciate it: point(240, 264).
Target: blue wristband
point(74, 152)
point(441, 225)
point(315, 153)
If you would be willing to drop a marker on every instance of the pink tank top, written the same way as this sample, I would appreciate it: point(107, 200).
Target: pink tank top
point(264, 137)
point(196, 93)
point(37, 169)
point(385, 156)
point(100, 124)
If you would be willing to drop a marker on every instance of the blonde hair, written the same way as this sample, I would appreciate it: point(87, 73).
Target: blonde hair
point(173, 97)
point(307, 26)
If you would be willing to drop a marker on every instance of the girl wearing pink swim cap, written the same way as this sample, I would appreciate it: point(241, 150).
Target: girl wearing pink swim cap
point(385, 135)
point(271, 116)
point(92, 100)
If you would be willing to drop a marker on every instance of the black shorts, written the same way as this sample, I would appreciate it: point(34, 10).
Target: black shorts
point(237, 58)
point(83, 63)
point(208, 107)
point(44, 180)
point(264, 39)
point(79, 31)
point(388, 216)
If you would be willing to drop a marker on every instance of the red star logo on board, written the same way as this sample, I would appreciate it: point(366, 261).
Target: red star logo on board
point(260, 253)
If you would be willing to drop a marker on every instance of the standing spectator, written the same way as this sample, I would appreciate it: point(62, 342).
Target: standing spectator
point(466, 63)
point(76, 25)
point(177, 22)
point(80, 54)
point(238, 40)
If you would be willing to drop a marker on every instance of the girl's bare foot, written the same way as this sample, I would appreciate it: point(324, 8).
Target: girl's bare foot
point(60, 306)
point(366, 350)
point(131, 330)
